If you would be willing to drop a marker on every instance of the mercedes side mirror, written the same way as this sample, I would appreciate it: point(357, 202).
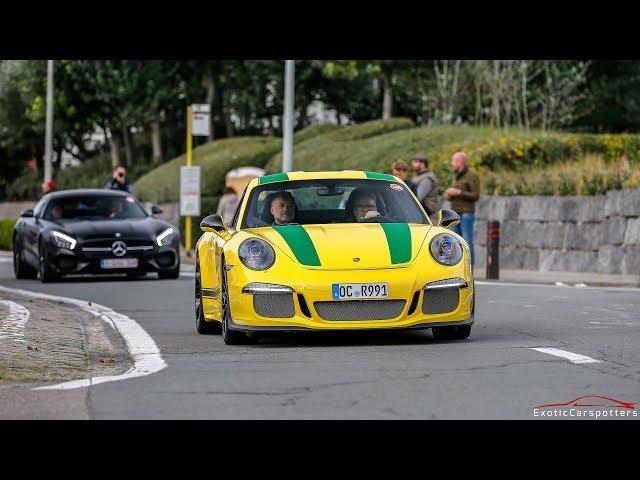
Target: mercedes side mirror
point(212, 223)
point(447, 218)
point(156, 210)
point(27, 213)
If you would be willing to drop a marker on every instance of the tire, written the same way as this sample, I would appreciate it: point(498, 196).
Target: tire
point(172, 274)
point(451, 333)
point(230, 337)
point(20, 269)
point(46, 275)
point(202, 326)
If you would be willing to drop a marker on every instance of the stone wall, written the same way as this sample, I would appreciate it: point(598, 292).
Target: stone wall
point(578, 234)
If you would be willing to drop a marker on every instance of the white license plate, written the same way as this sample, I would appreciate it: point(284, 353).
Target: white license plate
point(119, 263)
point(351, 291)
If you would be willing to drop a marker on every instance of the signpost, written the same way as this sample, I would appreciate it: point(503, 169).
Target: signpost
point(198, 124)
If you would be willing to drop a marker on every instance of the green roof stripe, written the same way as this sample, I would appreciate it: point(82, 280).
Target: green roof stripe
point(399, 241)
point(300, 243)
point(380, 176)
point(276, 177)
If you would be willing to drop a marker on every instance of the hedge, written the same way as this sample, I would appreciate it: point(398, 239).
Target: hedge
point(6, 233)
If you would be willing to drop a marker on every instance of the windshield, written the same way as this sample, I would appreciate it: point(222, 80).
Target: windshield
point(99, 207)
point(331, 201)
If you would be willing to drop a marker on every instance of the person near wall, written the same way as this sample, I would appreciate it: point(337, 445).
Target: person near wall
point(118, 180)
point(463, 194)
point(426, 184)
point(228, 204)
point(399, 169)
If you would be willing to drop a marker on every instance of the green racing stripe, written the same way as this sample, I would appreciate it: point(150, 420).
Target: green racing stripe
point(276, 177)
point(380, 176)
point(300, 243)
point(399, 241)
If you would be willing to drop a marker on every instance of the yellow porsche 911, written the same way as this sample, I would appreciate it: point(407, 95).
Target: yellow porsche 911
point(344, 250)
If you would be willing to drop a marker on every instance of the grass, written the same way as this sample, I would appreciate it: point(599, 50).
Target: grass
point(6, 233)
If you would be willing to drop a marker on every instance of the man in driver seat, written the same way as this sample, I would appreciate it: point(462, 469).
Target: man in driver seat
point(283, 208)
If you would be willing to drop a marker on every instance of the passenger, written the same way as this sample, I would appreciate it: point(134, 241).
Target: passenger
point(361, 205)
point(283, 208)
point(116, 208)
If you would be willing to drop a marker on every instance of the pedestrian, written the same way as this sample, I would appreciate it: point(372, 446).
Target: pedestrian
point(426, 184)
point(464, 193)
point(399, 169)
point(118, 180)
point(228, 204)
point(48, 187)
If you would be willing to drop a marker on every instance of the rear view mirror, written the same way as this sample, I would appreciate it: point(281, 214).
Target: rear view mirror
point(156, 210)
point(447, 218)
point(329, 191)
point(27, 213)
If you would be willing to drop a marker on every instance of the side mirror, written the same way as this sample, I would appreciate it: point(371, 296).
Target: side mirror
point(212, 223)
point(156, 210)
point(447, 218)
point(27, 213)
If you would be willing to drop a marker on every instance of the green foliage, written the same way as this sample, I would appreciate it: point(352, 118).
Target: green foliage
point(6, 233)
point(26, 187)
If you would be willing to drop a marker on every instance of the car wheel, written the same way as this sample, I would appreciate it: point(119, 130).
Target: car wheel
point(44, 272)
point(229, 336)
point(451, 333)
point(20, 269)
point(202, 326)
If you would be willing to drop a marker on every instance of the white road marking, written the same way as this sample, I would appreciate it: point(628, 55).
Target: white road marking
point(572, 357)
point(144, 351)
point(6, 259)
point(12, 326)
point(561, 284)
point(529, 285)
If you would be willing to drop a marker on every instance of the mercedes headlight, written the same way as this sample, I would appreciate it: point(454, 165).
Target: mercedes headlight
point(63, 240)
point(165, 237)
point(256, 254)
point(446, 249)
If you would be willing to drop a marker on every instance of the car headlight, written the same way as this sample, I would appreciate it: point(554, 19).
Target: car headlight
point(62, 240)
point(446, 249)
point(165, 237)
point(256, 254)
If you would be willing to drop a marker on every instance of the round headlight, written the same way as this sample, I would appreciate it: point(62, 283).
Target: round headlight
point(446, 249)
point(256, 254)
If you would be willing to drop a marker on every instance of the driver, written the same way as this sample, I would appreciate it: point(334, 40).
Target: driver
point(364, 205)
point(116, 208)
point(56, 212)
point(283, 208)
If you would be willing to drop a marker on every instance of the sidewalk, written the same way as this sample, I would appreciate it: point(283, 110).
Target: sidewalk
point(588, 279)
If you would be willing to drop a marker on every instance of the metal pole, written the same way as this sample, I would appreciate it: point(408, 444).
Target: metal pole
point(187, 220)
point(493, 250)
point(48, 137)
point(287, 133)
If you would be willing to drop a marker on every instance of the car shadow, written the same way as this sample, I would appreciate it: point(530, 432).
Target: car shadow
point(347, 339)
point(106, 278)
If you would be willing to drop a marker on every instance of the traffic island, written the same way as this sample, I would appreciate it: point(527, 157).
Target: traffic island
point(52, 341)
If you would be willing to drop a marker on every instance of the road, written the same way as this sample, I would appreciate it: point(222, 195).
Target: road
point(495, 374)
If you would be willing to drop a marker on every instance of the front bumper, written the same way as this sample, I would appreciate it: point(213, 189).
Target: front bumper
point(86, 260)
point(405, 284)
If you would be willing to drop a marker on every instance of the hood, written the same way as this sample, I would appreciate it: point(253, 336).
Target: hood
point(142, 227)
point(335, 246)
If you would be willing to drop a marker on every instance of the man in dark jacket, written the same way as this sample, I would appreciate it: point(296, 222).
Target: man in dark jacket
point(119, 180)
point(426, 184)
point(463, 194)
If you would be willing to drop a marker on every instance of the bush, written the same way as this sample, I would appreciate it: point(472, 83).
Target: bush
point(27, 186)
point(6, 233)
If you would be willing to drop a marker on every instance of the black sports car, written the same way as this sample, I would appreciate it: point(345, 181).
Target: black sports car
point(93, 231)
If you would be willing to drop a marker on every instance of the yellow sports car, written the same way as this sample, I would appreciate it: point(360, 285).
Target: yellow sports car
point(347, 250)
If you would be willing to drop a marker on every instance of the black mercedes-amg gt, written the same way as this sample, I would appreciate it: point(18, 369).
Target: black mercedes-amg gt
point(93, 231)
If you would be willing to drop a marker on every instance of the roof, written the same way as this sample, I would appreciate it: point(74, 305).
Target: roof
point(344, 174)
point(87, 191)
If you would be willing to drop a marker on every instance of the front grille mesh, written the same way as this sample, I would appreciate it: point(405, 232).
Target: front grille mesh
point(359, 309)
point(274, 305)
point(440, 300)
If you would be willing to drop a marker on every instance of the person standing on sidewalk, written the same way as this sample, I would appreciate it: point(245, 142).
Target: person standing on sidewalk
point(118, 180)
point(426, 184)
point(463, 194)
point(399, 169)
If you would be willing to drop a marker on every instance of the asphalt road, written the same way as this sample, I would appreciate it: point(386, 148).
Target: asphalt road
point(495, 374)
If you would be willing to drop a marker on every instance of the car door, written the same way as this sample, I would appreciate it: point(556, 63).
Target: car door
point(30, 230)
